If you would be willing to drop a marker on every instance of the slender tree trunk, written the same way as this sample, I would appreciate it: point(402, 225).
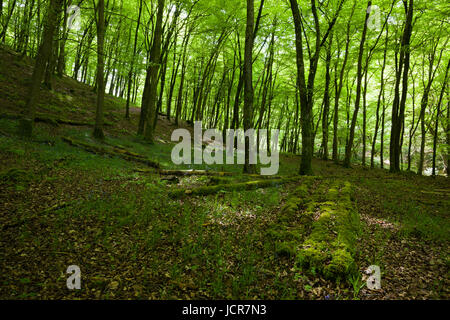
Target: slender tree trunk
point(326, 104)
point(339, 90)
point(383, 68)
point(8, 18)
point(414, 126)
point(51, 65)
point(438, 112)
point(98, 128)
point(448, 138)
point(155, 60)
point(424, 105)
point(307, 90)
point(45, 50)
point(62, 44)
point(181, 87)
point(248, 83)
point(349, 147)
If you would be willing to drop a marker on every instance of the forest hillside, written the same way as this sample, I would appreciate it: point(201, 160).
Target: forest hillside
point(141, 227)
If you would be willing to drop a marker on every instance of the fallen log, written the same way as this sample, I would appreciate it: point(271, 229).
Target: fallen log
point(186, 172)
point(43, 118)
point(193, 173)
point(330, 248)
point(251, 185)
point(124, 154)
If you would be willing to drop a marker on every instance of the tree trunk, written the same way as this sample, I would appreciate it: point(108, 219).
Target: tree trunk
point(326, 102)
point(307, 90)
point(45, 50)
point(383, 68)
point(248, 83)
point(398, 107)
point(438, 111)
point(98, 128)
point(349, 147)
point(338, 91)
point(62, 44)
point(130, 73)
point(8, 18)
point(155, 60)
point(448, 139)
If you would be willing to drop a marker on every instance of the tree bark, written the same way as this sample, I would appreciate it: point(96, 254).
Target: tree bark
point(326, 101)
point(383, 68)
point(98, 128)
point(155, 60)
point(248, 84)
point(307, 90)
point(338, 90)
point(398, 107)
point(45, 50)
point(438, 111)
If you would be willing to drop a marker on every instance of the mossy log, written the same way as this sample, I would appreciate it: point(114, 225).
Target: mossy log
point(180, 173)
point(290, 228)
point(118, 152)
point(251, 185)
point(318, 226)
point(330, 247)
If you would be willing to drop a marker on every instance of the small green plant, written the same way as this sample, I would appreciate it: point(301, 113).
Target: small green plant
point(357, 284)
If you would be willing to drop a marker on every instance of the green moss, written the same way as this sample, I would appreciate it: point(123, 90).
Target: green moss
point(290, 209)
point(16, 175)
point(302, 191)
point(333, 194)
point(275, 233)
point(279, 232)
point(341, 265)
point(313, 254)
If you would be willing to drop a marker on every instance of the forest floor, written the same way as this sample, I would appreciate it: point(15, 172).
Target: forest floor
point(61, 205)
